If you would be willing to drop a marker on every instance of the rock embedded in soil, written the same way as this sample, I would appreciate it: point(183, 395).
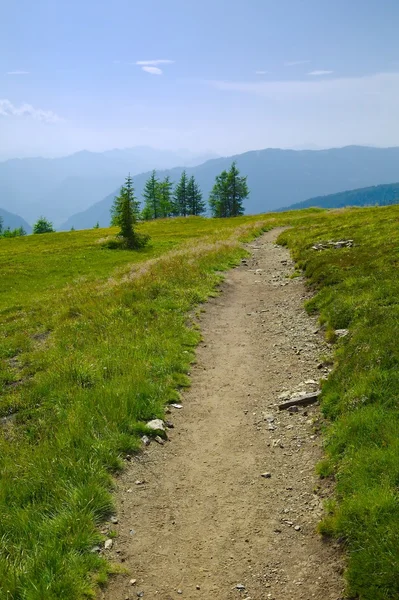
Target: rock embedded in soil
point(108, 544)
point(266, 475)
point(146, 440)
point(340, 333)
point(304, 400)
point(156, 425)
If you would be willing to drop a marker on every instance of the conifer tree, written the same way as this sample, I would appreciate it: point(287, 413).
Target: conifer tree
point(152, 198)
point(166, 200)
point(42, 225)
point(218, 199)
point(124, 213)
point(237, 190)
point(195, 204)
point(1, 225)
point(180, 197)
point(228, 193)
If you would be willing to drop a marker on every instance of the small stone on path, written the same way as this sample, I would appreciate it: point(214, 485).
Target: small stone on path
point(266, 475)
point(108, 544)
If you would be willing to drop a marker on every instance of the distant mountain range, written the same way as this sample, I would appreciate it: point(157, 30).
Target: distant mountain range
point(14, 221)
point(276, 178)
point(381, 195)
point(59, 187)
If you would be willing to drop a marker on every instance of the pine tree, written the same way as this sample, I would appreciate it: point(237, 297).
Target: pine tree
point(218, 199)
point(195, 204)
point(152, 198)
point(97, 225)
point(180, 197)
point(166, 201)
point(228, 193)
point(124, 214)
point(1, 225)
point(238, 191)
point(42, 225)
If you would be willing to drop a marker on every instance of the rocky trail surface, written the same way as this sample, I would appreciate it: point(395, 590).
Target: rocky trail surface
point(228, 507)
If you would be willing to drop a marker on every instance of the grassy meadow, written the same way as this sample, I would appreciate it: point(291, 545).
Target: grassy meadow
point(95, 342)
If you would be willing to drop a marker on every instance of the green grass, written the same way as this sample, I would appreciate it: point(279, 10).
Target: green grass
point(94, 342)
point(358, 288)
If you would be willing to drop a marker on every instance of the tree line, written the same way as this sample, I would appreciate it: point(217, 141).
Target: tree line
point(162, 199)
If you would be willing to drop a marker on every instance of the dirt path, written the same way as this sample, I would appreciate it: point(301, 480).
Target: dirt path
point(205, 520)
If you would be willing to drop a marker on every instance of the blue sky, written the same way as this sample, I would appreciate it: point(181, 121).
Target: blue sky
point(219, 75)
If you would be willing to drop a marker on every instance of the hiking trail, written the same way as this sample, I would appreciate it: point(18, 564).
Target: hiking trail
point(205, 520)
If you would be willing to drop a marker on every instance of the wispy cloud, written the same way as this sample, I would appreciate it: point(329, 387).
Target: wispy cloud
point(294, 63)
point(376, 87)
point(18, 73)
point(319, 73)
point(159, 61)
point(261, 72)
point(152, 70)
point(7, 109)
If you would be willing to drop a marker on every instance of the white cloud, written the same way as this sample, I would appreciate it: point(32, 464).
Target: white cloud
point(321, 72)
point(294, 63)
point(160, 61)
point(7, 109)
point(152, 70)
point(261, 72)
point(18, 73)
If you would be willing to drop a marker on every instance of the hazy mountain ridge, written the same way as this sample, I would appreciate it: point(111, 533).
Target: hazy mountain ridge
point(59, 187)
point(381, 195)
point(276, 178)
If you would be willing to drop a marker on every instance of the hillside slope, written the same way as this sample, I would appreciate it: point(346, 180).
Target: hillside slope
point(277, 178)
point(376, 195)
point(14, 221)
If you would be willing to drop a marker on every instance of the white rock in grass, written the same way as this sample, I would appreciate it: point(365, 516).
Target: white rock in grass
point(156, 425)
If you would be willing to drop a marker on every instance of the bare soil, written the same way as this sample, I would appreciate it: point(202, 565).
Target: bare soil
point(205, 521)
